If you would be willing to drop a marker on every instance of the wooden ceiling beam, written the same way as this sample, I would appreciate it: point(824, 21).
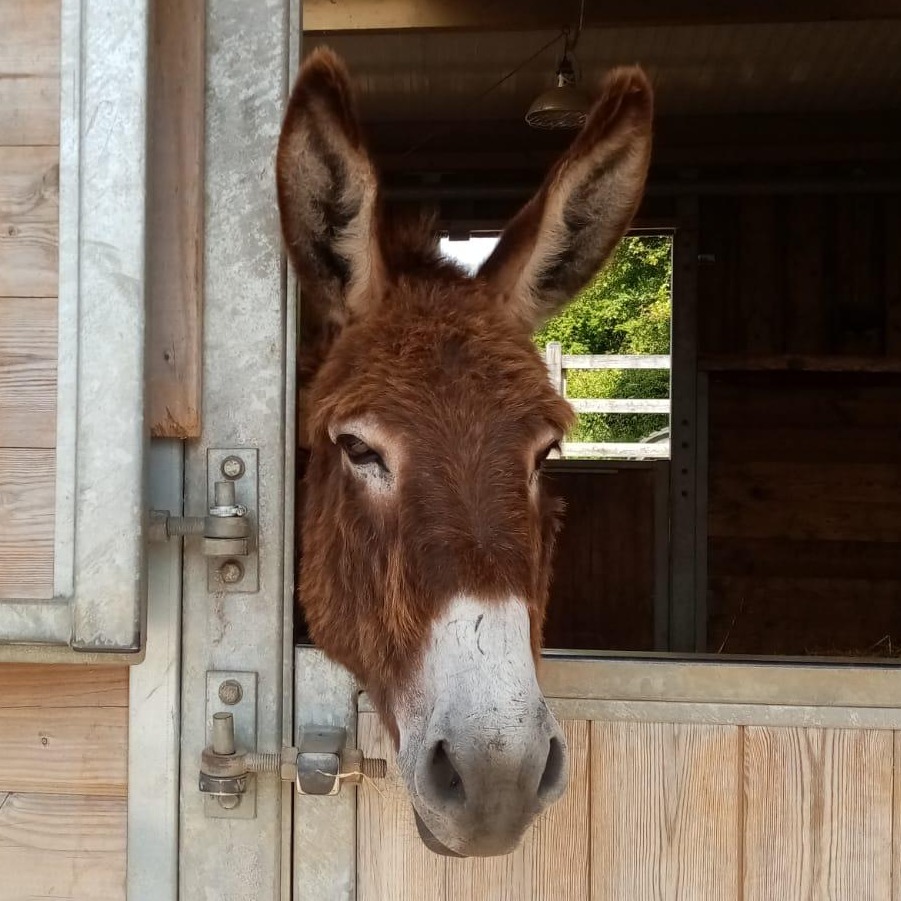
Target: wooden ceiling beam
point(322, 17)
point(508, 145)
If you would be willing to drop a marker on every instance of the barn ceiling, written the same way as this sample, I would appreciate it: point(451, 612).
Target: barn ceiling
point(808, 67)
point(740, 86)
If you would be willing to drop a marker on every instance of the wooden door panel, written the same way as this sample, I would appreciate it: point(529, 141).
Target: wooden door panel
point(602, 589)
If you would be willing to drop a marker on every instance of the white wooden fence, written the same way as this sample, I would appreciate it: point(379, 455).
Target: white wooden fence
point(558, 363)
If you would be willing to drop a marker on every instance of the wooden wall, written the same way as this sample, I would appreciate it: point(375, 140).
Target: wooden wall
point(814, 275)
point(668, 811)
point(602, 589)
point(805, 513)
point(29, 208)
point(63, 744)
point(800, 331)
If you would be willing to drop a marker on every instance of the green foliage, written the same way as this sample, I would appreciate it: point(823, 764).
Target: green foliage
point(625, 310)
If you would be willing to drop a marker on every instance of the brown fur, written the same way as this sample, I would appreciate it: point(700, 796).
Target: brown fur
point(445, 364)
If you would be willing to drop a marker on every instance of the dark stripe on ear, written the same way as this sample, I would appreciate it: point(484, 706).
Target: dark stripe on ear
point(584, 228)
point(334, 214)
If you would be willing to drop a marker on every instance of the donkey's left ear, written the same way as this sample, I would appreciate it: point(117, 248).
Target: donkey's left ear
point(562, 237)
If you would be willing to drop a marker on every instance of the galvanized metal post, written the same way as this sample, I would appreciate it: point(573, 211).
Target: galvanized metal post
point(154, 691)
point(245, 403)
point(684, 432)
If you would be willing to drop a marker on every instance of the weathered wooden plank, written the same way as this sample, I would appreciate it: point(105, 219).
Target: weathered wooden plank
point(62, 847)
point(28, 258)
point(29, 72)
point(553, 862)
point(28, 372)
point(797, 363)
point(666, 811)
point(896, 819)
point(791, 444)
point(29, 184)
point(64, 750)
point(753, 614)
point(805, 400)
point(759, 266)
point(807, 327)
point(860, 309)
point(354, 16)
point(616, 361)
point(818, 814)
point(719, 313)
point(602, 587)
point(27, 496)
point(769, 557)
point(392, 861)
point(29, 37)
point(29, 110)
point(27, 685)
point(620, 405)
point(619, 450)
point(175, 220)
point(892, 285)
point(829, 501)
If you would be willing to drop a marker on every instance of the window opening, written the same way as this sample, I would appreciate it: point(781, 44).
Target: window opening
point(608, 352)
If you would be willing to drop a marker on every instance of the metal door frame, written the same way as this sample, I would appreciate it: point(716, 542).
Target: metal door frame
point(248, 403)
point(653, 688)
point(154, 702)
point(97, 609)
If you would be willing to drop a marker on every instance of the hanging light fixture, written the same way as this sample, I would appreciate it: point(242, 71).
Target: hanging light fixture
point(564, 105)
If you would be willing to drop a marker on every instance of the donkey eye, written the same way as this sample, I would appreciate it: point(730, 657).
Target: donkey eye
point(552, 451)
point(358, 451)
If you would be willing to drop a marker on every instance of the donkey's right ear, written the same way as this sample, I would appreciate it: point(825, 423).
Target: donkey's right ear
point(328, 194)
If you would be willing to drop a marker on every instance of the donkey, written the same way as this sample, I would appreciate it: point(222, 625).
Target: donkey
point(427, 535)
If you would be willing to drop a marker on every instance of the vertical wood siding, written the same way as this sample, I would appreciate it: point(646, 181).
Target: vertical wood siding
point(667, 812)
point(29, 213)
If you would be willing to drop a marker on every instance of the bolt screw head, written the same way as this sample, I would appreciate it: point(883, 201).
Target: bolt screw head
point(228, 802)
point(232, 467)
point(230, 692)
point(231, 572)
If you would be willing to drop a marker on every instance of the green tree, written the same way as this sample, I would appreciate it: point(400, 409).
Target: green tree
point(626, 309)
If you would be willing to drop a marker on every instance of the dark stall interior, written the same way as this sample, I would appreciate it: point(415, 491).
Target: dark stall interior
point(775, 526)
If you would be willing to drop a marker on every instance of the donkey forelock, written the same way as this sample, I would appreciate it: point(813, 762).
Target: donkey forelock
point(427, 412)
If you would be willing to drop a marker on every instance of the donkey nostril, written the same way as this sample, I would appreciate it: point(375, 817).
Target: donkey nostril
point(554, 768)
point(446, 781)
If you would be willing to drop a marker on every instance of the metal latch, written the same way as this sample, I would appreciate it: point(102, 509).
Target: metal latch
point(323, 762)
point(318, 767)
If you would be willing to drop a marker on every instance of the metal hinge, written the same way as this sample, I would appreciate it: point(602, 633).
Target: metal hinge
point(229, 526)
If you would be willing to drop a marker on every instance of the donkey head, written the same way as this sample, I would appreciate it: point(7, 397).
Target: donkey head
point(427, 536)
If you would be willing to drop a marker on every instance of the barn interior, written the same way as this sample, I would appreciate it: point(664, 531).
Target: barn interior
point(774, 528)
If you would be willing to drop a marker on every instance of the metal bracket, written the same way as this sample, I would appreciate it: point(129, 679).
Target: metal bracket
point(229, 527)
point(323, 762)
point(238, 467)
point(319, 760)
